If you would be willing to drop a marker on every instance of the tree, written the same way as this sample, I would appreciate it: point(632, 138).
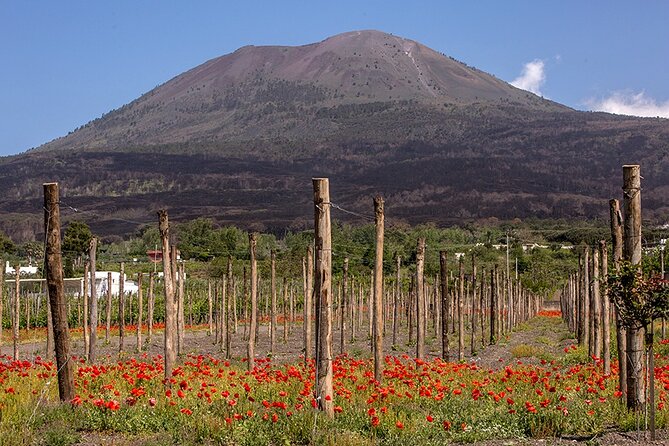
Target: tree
point(6, 244)
point(76, 240)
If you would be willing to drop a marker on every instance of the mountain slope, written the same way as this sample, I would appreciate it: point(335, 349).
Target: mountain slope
point(239, 137)
point(293, 92)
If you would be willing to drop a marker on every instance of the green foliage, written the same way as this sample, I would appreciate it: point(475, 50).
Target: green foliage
point(6, 244)
point(77, 238)
point(638, 299)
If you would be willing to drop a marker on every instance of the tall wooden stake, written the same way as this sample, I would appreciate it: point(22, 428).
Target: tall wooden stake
point(181, 321)
point(342, 305)
point(632, 253)
point(170, 308)
point(56, 290)
point(443, 272)
point(139, 311)
point(254, 304)
point(273, 319)
point(86, 328)
point(121, 309)
point(461, 316)
point(149, 316)
point(378, 290)
point(420, 293)
point(308, 302)
point(231, 308)
point(606, 309)
point(17, 311)
point(621, 332)
point(323, 295)
point(108, 307)
point(93, 318)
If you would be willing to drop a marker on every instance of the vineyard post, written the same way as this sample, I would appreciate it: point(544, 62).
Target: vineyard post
point(231, 307)
point(378, 289)
point(149, 321)
point(56, 290)
point(85, 327)
point(461, 303)
point(396, 300)
point(273, 319)
point(139, 311)
point(493, 307)
point(418, 301)
point(606, 309)
point(168, 281)
point(344, 300)
point(108, 307)
point(617, 252)
point(308, 302)
point(443, 265)
point(597, 307)
point(250, 348)
point(323, 295)
point(181, 322)
point(632, 253)
point(121, 308)
point(286, 304)
point(586, 317)
point(2, 291)
point(223, 316)
point(93, 319)
point(210, 314)
point(16, 320)
point(472, 321)
point(482, 291)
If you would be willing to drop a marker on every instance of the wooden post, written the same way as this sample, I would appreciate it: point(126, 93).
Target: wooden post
point(443, 272)
point(2, 295)
point(93, 338)
point(149, 316)
point(308, 304)
point(621, 332)
point(461, 319)
point(224, 318)
point(86, 328)
point(586, 302)
point(273, 319)
point(231, 307)
point(396, 300)
point(597, 308)
point(55, 286)
point(632, 253)
point(170, 307)
point(342, 305)
point(181, 322)
point(108, 307)
point(323, 295)
point(210, 331)
point(285, 309)
point(378, 290)
point(472, 321)
point(254, 303)
point(140, 304)
point(17, 311)
point(606, 309)
point(418, 301)
point(493, 306)
point(121, 309)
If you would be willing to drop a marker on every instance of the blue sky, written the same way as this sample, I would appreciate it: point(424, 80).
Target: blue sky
point(63, 64)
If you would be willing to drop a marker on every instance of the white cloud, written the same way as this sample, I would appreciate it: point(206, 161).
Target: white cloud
point(532, 77)
point(635, 104)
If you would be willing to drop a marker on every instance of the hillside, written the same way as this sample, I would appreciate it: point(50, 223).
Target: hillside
point(239, 137)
